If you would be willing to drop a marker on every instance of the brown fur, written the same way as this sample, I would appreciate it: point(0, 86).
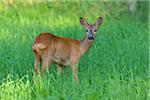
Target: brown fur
point(62, 51)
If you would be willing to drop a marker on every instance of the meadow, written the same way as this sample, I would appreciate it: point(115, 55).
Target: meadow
point(115, 67)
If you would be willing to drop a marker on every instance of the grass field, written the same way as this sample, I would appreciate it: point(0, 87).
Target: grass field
point(115, 68)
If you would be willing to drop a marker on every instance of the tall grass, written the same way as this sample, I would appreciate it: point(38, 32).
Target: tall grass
point(116, 66)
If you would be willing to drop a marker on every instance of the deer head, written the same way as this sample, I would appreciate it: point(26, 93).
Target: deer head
point(91, 28)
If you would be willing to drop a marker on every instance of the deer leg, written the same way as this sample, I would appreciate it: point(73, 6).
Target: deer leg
point(36, 63)
point(59, 69)
point(45, 65)
point(74, 68)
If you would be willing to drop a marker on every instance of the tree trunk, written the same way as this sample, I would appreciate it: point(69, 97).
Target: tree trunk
point(132, 6)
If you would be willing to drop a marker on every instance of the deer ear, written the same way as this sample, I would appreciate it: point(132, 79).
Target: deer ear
point(98, 22)
point(83, 21)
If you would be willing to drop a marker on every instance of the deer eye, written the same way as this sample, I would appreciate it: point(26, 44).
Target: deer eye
point(86, 30)
point(95, 30)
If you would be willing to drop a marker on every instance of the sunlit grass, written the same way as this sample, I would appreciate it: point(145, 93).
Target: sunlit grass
point(116, 66)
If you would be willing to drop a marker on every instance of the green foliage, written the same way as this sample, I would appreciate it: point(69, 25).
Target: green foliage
point(116, 66)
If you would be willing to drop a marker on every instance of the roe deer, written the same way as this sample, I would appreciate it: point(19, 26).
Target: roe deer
point(49, 49)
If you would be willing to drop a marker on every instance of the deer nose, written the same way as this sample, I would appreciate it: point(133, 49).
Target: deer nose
point(91, 38)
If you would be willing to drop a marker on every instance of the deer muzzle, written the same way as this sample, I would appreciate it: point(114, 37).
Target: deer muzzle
point(90, 35)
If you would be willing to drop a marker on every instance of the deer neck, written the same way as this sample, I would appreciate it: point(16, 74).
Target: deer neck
point(85, 44)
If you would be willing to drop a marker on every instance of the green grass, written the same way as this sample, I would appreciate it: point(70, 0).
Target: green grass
point(115, 68)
